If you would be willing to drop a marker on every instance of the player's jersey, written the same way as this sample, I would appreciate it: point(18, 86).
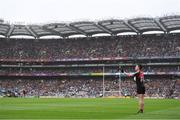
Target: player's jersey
point(139, 78)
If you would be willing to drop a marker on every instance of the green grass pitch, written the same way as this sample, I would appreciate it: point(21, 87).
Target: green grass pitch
point(87, 108)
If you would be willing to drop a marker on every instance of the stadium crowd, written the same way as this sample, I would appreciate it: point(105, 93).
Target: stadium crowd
point(92, 87)
point(114, 46)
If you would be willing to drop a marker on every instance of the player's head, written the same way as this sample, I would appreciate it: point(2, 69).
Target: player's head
point(138, 67)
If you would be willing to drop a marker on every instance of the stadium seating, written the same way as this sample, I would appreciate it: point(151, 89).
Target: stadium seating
point(144, 46)
point(130, 46)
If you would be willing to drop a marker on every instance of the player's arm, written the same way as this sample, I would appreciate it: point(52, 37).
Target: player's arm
point(129, 74)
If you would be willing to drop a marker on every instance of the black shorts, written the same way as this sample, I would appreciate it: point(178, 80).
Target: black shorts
point(141, 90)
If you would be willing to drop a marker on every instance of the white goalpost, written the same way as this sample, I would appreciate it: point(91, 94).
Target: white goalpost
point(116, 93)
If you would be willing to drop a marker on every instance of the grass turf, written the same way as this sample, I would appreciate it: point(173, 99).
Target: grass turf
point(85, 108)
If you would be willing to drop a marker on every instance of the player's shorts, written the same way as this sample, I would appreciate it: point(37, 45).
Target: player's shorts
point(141, 90)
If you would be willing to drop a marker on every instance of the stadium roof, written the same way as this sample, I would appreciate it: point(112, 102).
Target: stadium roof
point(145, 24)
point(116, 26)
point(113, 27)
point(170, 22)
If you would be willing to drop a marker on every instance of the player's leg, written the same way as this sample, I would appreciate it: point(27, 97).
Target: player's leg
point(139, 103)
point(142, 102)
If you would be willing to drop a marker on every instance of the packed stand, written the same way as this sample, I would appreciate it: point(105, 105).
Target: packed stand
point(157, 88)
point(113, 46)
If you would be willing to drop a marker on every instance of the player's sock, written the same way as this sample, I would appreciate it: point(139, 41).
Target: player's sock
point(140, 111)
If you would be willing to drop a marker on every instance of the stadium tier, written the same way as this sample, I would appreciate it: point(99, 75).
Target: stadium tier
point(88, 87)
point(122, 47)
point(89, 66)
